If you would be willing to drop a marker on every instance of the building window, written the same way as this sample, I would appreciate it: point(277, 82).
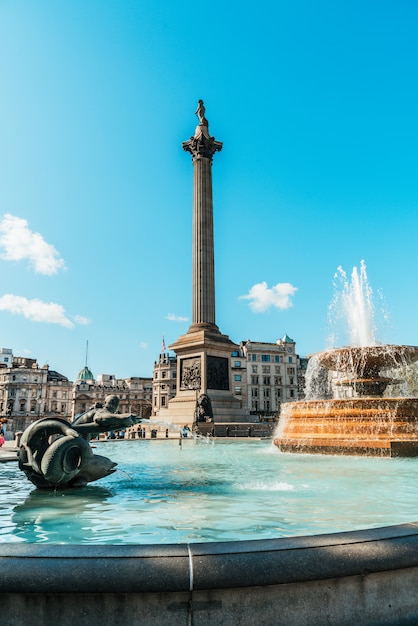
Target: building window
point(238, 391)
point(237, 363)
point(254, 392)
point(277, 358)
point(290, 359)
point(266, 380)
point(163, 374)
point(237, 377)
point(265, 358)
point(163, 401)
point(267, 392)
point(253, 357)
point(254, 380)
point(278, 393)
point(291, 371)
point(235, 353)
point(254, 369)
point(292, 393)
point(266, 369)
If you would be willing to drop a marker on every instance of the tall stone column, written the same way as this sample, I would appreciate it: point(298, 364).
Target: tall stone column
point(202, 147)
point(203, 353)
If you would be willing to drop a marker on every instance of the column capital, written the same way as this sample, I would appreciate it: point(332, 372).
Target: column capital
point(201, 144)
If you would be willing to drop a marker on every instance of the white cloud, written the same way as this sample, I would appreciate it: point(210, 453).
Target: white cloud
point(18, 243)
point(176, 318)
point(80, 319)
point(143, 345)
point(35, 310)
point(263, 298)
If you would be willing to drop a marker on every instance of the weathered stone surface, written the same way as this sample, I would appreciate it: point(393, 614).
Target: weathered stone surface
point(361, 577)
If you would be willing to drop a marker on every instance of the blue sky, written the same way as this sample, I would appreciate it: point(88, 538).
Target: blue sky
point(316, 104)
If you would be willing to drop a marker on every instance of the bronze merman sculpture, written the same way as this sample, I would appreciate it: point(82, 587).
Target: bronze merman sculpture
point(55, 454)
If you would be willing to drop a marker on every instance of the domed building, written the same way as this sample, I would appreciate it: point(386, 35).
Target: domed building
point(134, 393)
point(85, 374)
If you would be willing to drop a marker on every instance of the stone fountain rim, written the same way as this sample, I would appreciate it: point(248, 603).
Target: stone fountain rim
point(71, 568)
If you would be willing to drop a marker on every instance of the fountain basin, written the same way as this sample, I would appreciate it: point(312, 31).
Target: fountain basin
point(362, 577)
point(370, 426)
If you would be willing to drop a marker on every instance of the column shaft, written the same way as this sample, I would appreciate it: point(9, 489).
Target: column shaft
point(203, 267)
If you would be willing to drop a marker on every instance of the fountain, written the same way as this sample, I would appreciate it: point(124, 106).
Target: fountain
point(366, 421)
point(213, 514)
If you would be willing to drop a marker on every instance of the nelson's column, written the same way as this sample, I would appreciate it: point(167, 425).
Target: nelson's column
point(203, 353)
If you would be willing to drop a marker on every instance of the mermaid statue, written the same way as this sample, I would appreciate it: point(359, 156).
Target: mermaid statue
point(56, 454)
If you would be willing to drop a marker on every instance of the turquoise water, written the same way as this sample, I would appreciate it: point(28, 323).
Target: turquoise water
point(166, 493)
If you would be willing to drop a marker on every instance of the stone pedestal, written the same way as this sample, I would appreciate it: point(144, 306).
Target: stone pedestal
point(203, 367)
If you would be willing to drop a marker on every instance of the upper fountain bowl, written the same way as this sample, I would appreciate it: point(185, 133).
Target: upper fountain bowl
point(361, 360)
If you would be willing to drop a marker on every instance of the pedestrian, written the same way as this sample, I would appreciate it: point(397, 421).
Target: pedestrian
point(185, 431)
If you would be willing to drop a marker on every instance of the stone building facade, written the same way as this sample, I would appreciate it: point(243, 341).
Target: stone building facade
point(164, 384)
point(134, 393)
point(266, 375)
point(29, 392)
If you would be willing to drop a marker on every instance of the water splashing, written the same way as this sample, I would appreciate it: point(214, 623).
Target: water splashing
point(352, 305)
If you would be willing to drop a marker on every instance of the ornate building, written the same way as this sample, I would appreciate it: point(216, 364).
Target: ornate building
point(164, 381)
point(28, 392)
point(271, 375)
point(134, 393)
